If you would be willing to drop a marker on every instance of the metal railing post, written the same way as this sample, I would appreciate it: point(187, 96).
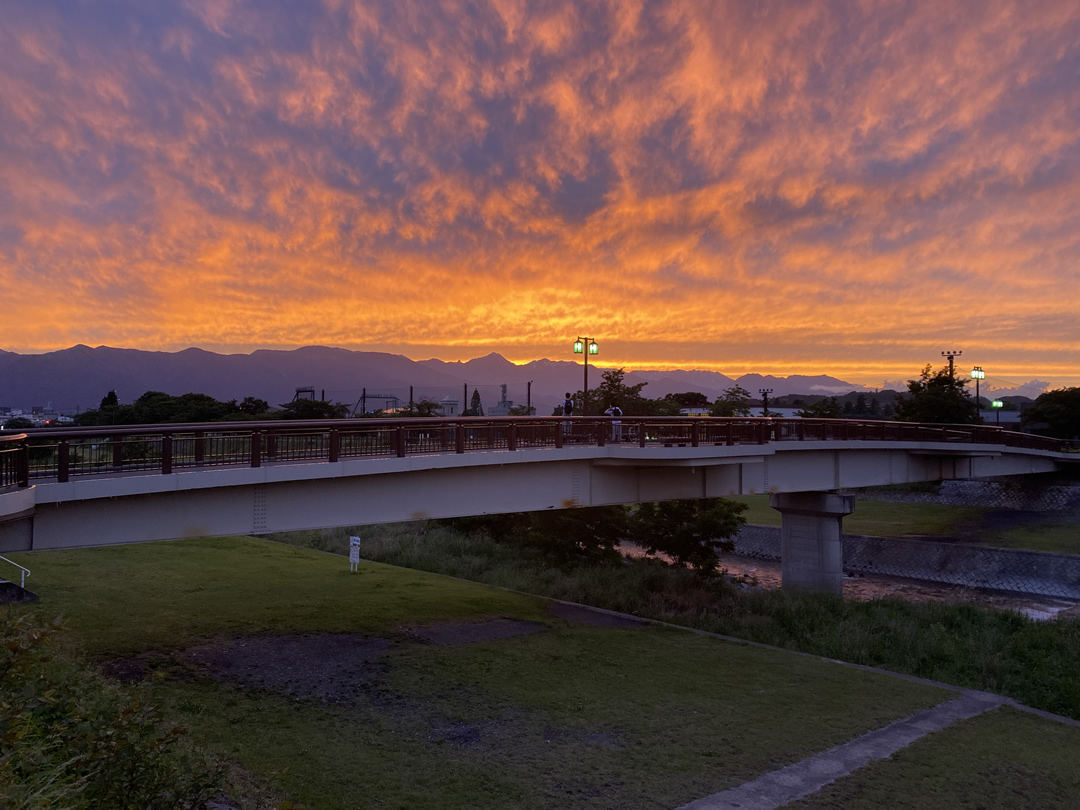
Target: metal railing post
point(256, 448)
point(642, 433)
point(511, 437)
point(166, 454)
point(200, 448)
point(399, 441)
point(117, 453)
point(22, 464)
point(334, 449)
point(459, 438)
point(63, 461)
point(693, 434)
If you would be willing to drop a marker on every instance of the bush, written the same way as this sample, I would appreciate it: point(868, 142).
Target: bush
point(71, 738)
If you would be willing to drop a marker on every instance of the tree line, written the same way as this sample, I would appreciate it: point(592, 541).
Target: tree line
point(935, 397)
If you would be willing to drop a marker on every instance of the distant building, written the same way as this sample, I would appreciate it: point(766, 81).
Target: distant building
point(694, 411)
point(503, 406)
point(449, 406)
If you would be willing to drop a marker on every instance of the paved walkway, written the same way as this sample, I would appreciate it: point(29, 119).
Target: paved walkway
point(778, 788)
point(788, 784)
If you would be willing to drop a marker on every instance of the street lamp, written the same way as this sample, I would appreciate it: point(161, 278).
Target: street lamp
point(580, 348)
point(765, 400)
point(978, 374)
point(997, 405)
point(951, 354)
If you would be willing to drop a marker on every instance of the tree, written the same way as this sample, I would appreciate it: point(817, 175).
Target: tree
point(689, 399)
point(828, 408)
point(938, 398)
point(561, 535)
point(614, 390)
point(735, 401)
point(251, 406)
point(1055, 413)
point(425, 408)
point(593, 533)
point(690, 532)
point(522, 410)
point(476, 407)
point(313, 409)
point(18, 423)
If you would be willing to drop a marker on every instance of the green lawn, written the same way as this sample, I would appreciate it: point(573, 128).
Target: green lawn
point(1001, 760)
point(1058, 536)
point(573, 716)
point(878, 518)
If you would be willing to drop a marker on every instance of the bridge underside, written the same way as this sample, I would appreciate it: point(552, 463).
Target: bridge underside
point(218, 502)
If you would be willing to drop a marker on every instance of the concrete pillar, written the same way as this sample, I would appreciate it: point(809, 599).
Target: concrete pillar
point(812, 554)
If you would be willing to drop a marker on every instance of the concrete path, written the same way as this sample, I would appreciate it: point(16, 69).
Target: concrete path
point(780, 787)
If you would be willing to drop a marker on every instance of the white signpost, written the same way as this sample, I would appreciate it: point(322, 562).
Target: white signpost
point(354, 553)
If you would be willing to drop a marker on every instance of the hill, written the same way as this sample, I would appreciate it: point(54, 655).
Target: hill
point(77, 378)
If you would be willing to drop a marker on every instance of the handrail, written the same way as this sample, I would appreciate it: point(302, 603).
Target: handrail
point(62, 453)
point(25, 571)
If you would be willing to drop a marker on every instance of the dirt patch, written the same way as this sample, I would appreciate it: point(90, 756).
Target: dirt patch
point(335, 668)
point(471, 632)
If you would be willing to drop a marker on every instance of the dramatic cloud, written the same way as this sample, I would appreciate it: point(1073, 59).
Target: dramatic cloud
point(838, 187)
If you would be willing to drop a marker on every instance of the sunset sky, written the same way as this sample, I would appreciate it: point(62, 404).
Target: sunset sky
point(778, 187)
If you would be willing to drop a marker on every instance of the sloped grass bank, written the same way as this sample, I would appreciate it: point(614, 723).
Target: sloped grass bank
point(570, 716)
point(1037, 663)
point(997, 761)
point(879, 518)
point(1055, 532)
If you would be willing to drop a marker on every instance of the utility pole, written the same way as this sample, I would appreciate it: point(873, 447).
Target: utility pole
point(528, 398)
point(765, 400)
point(952, 355)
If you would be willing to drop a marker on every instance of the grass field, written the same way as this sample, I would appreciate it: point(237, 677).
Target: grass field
point(997, 761)
point(569, 716)
point(1051, 532)
point(878, 518)
point(1061, 536)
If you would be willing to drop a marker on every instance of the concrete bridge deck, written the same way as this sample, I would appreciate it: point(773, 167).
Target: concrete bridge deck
point(67, 488)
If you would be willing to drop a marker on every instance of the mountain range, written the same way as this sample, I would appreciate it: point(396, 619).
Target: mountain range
point(76, 379)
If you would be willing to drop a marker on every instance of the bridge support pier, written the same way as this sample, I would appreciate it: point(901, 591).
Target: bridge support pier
point(812, 554)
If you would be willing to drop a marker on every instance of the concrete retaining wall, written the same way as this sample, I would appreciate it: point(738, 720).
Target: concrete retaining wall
point(1006, 494)
point(1027, 572)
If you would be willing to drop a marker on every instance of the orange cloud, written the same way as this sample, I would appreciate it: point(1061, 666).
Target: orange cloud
point(790, 186)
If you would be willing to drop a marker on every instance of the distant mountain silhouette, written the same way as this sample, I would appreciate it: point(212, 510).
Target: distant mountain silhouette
point(78, 378)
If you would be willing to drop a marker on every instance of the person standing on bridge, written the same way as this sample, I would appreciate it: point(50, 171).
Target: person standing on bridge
point(614, 411)
point(568, 410)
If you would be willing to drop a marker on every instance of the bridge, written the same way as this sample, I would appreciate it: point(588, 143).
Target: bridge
point(64, 488)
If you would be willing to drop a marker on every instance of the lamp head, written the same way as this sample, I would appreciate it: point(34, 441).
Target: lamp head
point(593, 348)
point(579, 346)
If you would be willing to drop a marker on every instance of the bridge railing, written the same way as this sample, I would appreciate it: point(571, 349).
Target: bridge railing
point(61, 454)
point(14, 461)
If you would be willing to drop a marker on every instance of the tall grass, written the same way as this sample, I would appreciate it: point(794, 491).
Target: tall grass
point(1037, 663)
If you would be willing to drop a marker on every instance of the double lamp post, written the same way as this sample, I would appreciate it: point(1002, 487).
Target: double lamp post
point(586, 346)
